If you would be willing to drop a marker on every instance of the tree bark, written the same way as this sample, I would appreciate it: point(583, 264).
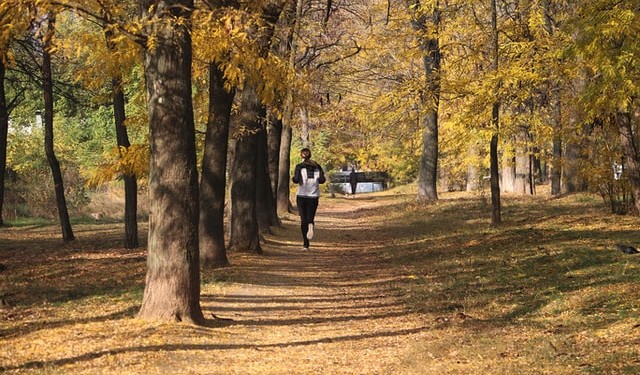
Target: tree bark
point(305, 127)
point(556, 109)
point(556, 161)
point(130, 179)
point(284, 174)
point(430, 47)
point(47, 85)
point(274, 137)
point(4, 129)
point(571, 180)
point(474, 169)
point(122, 139)
point(265, 203)
point(293, 14)
point(631, 155)
point(244, 236)
point(247, 173)
point(214, 168)
point(496, 211)
point(172, 288)
point(523, 163)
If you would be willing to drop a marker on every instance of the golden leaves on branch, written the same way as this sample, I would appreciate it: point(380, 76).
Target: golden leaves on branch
point(123, 161)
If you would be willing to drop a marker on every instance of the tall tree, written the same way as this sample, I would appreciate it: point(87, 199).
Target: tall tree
point(426, 22)
point(4, 128)
point(496, 216)
point(122, 139)
point(47, 87)
point(12, 21)
point(172, 287)
point(556, 110)
point(251, 118)
point(213, 252)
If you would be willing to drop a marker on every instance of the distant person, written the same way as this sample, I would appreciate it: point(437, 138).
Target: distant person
point(353, 181)
point(308, 175)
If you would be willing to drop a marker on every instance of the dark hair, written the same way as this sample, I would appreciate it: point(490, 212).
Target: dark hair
point(306, 153)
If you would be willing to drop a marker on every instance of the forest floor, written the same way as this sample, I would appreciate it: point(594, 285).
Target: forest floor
point(390, 286)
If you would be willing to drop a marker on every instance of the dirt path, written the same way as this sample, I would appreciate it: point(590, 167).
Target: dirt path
point(332, 310)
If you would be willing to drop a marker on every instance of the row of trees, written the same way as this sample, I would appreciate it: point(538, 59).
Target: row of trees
point(517, 92)
point(429, 90)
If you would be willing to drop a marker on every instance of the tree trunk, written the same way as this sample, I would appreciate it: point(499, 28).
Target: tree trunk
point(474, 178)
point(496, 214)
point(246, 170)
point(305, 127)
point(556, 109)
point(122, 139)
point(428, 173)
point(265, 203)
point(172, 288)
point(430, 48)
point(571, 181)
point(47, 85)
point(284, 173)
point(556, 161)
point(293, 14)
point(4, 129)
point(523, 163)
point(130, 179)
point(244, 222)
point(274, 137)
point(214, 168)
point(631, 155)
point(508, 176)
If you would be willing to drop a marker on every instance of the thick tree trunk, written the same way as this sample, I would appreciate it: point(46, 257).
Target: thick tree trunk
point(631, 155)
point(428, 172)
point(244, 236)
point(508, 176)
point(284, 174)
point(172, 289)
point(4, 129)
point(571, 180)
point(265, 203)
point(214, 168)
point(246, 170)
point(47, 83)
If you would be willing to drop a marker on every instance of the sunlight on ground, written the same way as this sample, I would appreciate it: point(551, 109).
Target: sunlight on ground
point(391, 286)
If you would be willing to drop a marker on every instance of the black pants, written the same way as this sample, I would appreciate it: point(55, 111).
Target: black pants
point(307, 209)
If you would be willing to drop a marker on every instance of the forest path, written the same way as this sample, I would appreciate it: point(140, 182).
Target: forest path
point(330, 310)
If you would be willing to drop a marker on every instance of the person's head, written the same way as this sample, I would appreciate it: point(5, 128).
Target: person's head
point(305, 153)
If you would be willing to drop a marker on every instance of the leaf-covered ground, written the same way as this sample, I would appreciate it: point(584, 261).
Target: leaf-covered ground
point(390, 287)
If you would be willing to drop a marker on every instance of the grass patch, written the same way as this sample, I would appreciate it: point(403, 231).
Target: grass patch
point(549, 279)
